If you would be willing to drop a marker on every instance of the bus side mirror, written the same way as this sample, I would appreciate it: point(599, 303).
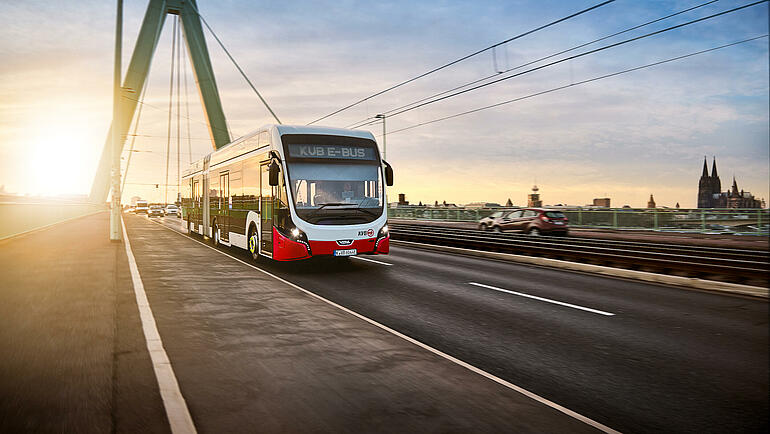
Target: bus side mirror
point(388, 174)
point(273, 174)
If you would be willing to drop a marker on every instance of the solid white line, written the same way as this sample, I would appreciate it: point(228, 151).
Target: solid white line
point(547, 300)
point(176, 408)
point(465, 365)
point(371, 260)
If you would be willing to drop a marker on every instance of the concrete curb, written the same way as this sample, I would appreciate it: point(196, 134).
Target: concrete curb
point(688, 282)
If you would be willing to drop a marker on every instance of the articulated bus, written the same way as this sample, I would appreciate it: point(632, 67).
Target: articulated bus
point(291, 192)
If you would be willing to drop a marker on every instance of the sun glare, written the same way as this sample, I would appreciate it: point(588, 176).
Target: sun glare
point(56, 162)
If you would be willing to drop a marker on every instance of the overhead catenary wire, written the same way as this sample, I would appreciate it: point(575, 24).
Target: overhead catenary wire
point(509, 69)
point(596, 50)
point(166, 110)
point(243, 74)
point(454, 62)
point(555, 89)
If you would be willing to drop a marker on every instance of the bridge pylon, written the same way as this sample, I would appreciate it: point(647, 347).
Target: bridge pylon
point(138, 69)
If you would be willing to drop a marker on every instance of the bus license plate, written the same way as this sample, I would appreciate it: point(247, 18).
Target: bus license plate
point(346, 252)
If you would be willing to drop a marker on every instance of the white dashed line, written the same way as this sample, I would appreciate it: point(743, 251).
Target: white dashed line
point(370, 260)
point(547, 300)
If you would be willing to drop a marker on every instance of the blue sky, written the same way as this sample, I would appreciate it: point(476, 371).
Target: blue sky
point(626, 137)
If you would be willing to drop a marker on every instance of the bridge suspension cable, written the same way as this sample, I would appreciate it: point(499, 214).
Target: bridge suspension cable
point(370, 120)
point(170, 102)
point(237, 66)
point(649, 65)
point(461, 59)
point(556, 62)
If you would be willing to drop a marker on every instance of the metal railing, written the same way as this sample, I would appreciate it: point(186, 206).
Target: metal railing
point(727, 221)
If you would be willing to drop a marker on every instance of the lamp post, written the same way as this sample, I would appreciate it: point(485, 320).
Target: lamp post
point(117, 145)
point(384, 143)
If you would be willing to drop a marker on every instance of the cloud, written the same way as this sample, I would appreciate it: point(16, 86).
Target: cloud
point(628, 136)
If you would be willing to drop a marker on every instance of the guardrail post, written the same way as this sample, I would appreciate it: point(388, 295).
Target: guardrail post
point(655, 216)
point(703, 220)
point(615, 219)
point(759, 221)
point(580, 217)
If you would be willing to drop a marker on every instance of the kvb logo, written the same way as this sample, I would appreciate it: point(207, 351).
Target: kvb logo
point(367, 233)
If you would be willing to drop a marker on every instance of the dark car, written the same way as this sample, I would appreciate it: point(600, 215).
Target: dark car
point(156, 211)
point(532, 221)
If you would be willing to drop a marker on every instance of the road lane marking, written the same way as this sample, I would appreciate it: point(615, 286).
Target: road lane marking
point(370, 260)
point(468, 366)
point(547, 300)
point(176, 408)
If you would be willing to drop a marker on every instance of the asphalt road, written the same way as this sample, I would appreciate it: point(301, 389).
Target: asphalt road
point(634, 356)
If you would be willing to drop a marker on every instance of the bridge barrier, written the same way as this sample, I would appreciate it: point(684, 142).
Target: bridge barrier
point(19, 217)
point(727, 221)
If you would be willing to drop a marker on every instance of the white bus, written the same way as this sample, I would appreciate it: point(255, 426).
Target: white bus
point(292, 192)
point(142, 207)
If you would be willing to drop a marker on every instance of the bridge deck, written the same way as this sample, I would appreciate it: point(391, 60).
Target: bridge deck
point(250, 352)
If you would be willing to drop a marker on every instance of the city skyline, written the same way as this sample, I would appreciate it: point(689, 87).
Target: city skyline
point(624, 137)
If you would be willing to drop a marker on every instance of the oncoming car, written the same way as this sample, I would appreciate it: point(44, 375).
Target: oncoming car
point(155, 211)
point(172, 210)
point(531, 221)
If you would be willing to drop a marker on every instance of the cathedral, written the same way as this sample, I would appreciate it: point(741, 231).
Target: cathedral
point(710, 194)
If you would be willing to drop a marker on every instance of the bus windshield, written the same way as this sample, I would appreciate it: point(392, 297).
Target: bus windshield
point(336, 193)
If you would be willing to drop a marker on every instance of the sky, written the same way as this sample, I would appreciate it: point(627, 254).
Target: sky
point(624, 137)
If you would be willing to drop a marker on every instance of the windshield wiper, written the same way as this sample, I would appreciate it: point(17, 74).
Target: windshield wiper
point(366, 211)
point(324, 205)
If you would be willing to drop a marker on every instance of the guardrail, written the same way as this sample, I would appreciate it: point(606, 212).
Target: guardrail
point(727, 221)
point(20, 217)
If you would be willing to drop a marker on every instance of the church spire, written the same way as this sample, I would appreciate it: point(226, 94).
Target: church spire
point(705, 167)
point(735, 186)
point(714, 168)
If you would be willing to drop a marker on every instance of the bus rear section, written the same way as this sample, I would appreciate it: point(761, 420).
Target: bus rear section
point(142, 206)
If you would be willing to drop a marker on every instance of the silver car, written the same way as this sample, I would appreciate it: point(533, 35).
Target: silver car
point(173, 210)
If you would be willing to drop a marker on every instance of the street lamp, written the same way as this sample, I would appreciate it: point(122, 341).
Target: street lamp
point(384, 143)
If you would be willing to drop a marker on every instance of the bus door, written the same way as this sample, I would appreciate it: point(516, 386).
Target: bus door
point(266, 208)
point(194, 216)
point(223, 221)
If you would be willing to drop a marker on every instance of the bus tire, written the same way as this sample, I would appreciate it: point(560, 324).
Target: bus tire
point(253, 243)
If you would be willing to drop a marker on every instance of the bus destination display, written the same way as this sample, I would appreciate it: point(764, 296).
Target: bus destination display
point(340, 152)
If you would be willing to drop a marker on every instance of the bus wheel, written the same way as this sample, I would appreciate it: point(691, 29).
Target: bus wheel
point(253, 244)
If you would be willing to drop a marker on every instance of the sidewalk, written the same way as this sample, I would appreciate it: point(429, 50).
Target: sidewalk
point(73, 354)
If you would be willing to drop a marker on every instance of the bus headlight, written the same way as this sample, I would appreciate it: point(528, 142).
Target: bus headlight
point(295, 233)
point(383, 232)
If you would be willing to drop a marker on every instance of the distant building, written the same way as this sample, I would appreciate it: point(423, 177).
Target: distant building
point(483, 205)
point(710, 194)
point(651, 203)
point(533, 199)
point(402, 199)
point(603, 202)
point(509, 203)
